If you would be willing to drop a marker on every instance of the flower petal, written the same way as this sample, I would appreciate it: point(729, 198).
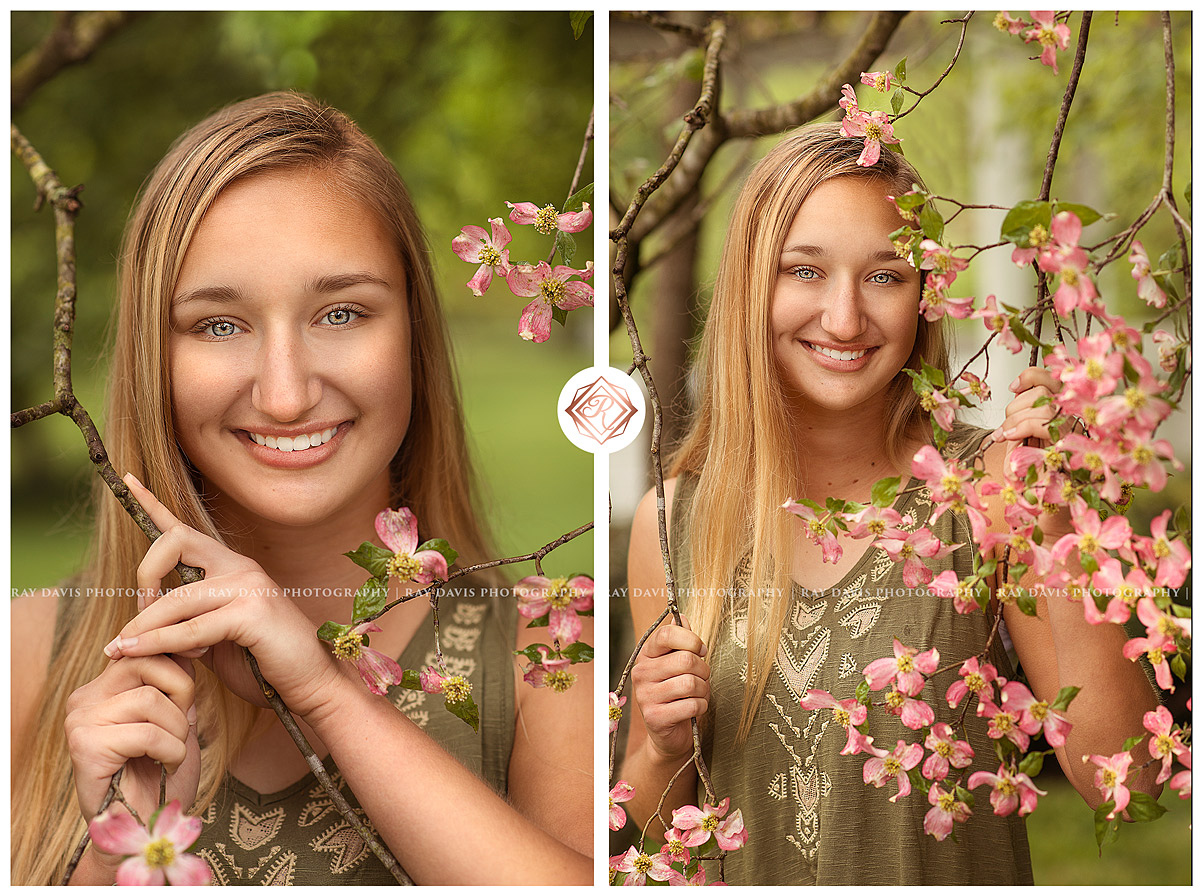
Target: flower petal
point(189, 871)
point(397, 529)
point(116, 832)
point(535, 321)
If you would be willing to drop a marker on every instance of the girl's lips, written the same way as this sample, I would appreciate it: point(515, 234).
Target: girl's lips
point(842, 364)
point(294, 460)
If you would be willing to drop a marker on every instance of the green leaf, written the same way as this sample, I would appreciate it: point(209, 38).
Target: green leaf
point(559, 315)
point(1032, 763)
point(370, 598)
point(1179, 667)
point(1106, 829)
point(372, 558)
point(579, 22)
point(1143, 807)
point(1064, 698)
point(1085, 214)
point(1026, 602)
point(1022, 218)
point(331, 631)
point(578, 652)
point(1025, 336)
point(564, 244)
point(932, 223)
point(1170, 259)
point(862, 693)
point(442, 547)
point(531, 652)
point(466, 710)
point(1183, 520)
point(1131, 742)
point(1018, 570)
point(411, 680)
point(901, 70)
point(883, 492)
point(1088, 562)
point(897, 102)
point(540, 622)
point(935, 375)
point(576, 200)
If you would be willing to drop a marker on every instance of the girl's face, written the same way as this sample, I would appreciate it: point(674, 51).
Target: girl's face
point(844, 310)
point(289, 351)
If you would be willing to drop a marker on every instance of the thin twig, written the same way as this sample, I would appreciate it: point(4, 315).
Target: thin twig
point(920, 95)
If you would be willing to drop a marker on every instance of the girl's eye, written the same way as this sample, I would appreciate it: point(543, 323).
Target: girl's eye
point(339, 317)
point(803, 273)
point(216, 328)
point(885, 277)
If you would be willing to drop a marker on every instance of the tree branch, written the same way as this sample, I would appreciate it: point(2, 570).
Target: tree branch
point(75, 37)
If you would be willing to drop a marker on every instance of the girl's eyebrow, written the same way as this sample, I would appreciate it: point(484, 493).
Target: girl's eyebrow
point(883, 255)
point(329, 283)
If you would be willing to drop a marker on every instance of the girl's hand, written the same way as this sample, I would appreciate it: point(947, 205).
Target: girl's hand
point(138, 711)
point(236, 605)
point(1021, 419)
point(670, 685)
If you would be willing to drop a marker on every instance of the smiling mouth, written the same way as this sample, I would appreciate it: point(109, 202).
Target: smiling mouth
point(293, 443)
point(835, 354)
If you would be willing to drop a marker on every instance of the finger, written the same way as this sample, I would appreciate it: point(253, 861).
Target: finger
point(182, 621)
point(158, 513)
point(661, 716)
point(175, 679)
point(1035, 376)
point(1029, 398)
point(143, 705)
point(673, 637)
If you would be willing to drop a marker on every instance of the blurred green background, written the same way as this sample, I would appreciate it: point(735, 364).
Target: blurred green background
point(473, 109)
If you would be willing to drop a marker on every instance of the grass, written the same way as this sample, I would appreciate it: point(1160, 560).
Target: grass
point(1063, 844)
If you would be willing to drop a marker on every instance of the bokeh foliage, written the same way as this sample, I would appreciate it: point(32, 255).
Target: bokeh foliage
point(473, 108)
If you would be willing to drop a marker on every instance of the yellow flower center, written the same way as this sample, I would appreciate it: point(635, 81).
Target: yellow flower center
point(1091, 415)
point(1135, 398)
point(560, 594)
point(1006, 593)
point(1006, 787)
point(488, 255)
point(1000, 23)
point(159, 853)
point(546, 220)
point(1161, 548)
point(933, 300)
point(873, 130)
point(1003, 722)
point(1093, 461)
point(1039, 236)
point(1155, 655)
point(615, 713)
point(1127, 594)
point(553, 291)
point(560, 680)
point(1054, 459)
point(642, 863)
point(892, 765)
point(894, 699)
point(946, 802)
point(1070, 276)
point(1039, 710)
point(1020, 544)
point(817, 528)
point(942, 748)
point(907, 552)
point(876, 527)
point(1163, 744)
point(348, 646)
point(1088, 544)
point(1047, 38)
point(841, 716)
point(1109, 777)
point(905, 663)
point(675, 847)
point(1094, 369)
point(456, 688)
point(952, 484)
point(975, 682)
point(404, 567)
point(1142, 455)
point(709, 823)
point(1009, 495)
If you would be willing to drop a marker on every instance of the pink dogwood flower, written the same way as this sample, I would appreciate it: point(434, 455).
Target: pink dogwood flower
point(906, 667)
point(944, 751)
point(614, 711)
point(1110, 779)
point(1148, 289)
point(946, 584)
point(455, 687)
point(848, 713)
point(881, 81)
point(915, 714)
point(974, 679)
point(912, 550)
point(999, 322)
point(377, 670)
point(673, 846)
point(564, 599)
point(937, 258)
point(1162, 631)
point(1004, 22)
point(1170, 556)
point(1165, 743)
point(156, 856)
point(874, 127)
point(546, 219)
point(1169, 348)
point(885, 766)
point(549, 288)
point(639, 865)
point(947, 809)
point(950, 486)
point(1181, 781)
point(697, 825)
point(874, 521)
point(1050, 36)
point(1092, 536)
point(475, 247)
point(1008, 723)
point(1015, 696)
point(622, 792)
point(1010, 792)
point(550, 672)
point(397, 529)
point(818, 529)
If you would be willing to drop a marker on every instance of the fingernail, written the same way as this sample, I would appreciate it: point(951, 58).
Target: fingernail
point(113, 649)
point(191, 714)
point(1015, 383)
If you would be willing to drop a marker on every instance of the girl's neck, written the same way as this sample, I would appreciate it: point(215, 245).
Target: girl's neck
point(842, 454)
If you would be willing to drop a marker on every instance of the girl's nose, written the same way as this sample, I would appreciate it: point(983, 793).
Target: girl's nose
point(286, 384)
point(843, 317)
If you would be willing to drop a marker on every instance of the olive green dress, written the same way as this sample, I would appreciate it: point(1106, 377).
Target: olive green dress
point(809, 816)
point(296, 836)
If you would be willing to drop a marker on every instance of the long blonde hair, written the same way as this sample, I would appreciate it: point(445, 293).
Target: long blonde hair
point(431, 472)
point(739, 444)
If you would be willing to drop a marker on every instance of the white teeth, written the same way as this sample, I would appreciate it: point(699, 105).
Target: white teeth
point(294, 443)
point(836, 355)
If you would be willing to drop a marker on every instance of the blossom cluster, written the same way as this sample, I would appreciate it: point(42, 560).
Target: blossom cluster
point(553, 290)
point(556, 604)
point(874, 127)
point(695, 836)
point(156, 855)
point(1045, 30)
